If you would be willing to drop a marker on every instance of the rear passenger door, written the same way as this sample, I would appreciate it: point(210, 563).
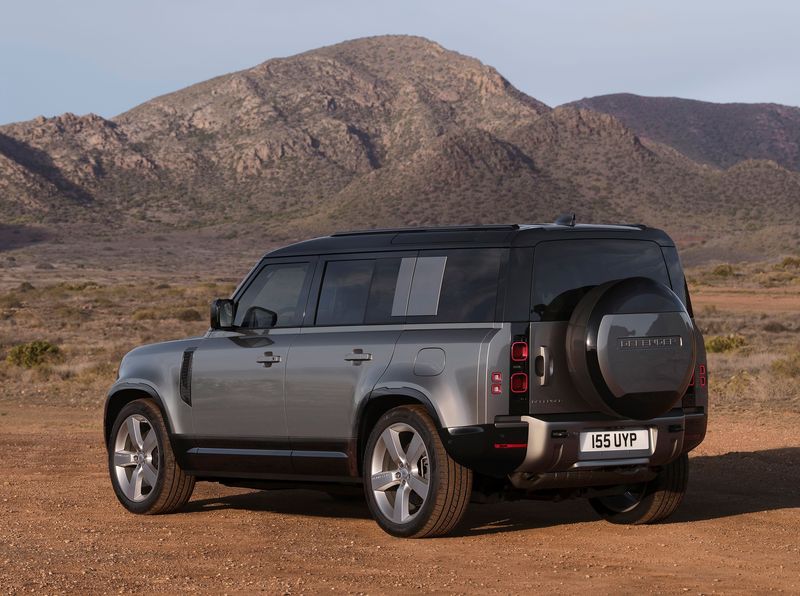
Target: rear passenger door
point(343, 349)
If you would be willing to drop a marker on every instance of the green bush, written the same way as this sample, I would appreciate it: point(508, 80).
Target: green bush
point(724, 343)
point(33, 354)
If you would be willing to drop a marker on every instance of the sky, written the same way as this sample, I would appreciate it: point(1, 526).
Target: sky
point(108, 56)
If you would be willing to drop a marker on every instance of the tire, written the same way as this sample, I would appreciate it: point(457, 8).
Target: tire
point(650, 502)
point(139, 448)
point(408, 435)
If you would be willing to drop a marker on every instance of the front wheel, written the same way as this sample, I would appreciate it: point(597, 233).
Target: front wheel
point(145, 476)
point(414, 489)
point(649, 502)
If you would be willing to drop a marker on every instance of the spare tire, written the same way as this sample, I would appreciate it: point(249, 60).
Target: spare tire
point(631, 348)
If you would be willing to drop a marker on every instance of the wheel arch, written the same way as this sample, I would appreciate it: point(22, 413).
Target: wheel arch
point(381, 401)
point(124, 393)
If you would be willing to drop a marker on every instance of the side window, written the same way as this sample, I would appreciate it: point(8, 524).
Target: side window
point(358, 292)
point(459, 286)
point(345, 291)
point(382, 292)
point(277, 295)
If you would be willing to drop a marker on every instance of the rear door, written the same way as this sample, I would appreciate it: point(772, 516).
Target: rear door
point(343, 349)
point(563, 272)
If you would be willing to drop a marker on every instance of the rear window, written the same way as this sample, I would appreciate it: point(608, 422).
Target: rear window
point(565, 270)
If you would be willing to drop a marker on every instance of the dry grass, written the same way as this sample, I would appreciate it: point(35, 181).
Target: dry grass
point(92, 326)
point(754, 352)
point(94, 323)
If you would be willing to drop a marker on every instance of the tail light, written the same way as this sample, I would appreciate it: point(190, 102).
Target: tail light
point(519, 382)
point(519, 364)
point(519, 351)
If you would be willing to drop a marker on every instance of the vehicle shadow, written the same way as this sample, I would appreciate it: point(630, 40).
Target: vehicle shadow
point(719, 486)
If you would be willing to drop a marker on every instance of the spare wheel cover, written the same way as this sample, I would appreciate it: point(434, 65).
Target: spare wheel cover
point(631, 348)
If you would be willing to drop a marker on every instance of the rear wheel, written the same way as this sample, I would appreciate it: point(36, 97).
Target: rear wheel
point(649, 502)
point(145, 476)
point(414, 489)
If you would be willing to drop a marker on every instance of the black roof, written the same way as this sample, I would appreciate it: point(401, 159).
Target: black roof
point(464, 237)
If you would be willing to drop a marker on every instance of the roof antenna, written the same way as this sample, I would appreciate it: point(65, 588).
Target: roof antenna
point(566, 219)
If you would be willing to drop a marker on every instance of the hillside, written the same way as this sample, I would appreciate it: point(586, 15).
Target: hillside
point(377, 131)
point(717, 134)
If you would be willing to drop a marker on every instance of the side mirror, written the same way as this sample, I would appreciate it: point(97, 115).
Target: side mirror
point(222, 312)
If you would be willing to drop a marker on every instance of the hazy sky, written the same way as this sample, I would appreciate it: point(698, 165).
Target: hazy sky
point(107, 56)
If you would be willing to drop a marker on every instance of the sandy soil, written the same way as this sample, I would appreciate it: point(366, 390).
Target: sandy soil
point(61, 529)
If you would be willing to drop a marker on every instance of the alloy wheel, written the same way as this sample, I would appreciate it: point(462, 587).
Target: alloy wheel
point(136, 458)
point(399, 469)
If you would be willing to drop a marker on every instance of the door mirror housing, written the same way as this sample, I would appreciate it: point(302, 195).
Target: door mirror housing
point(222, 313)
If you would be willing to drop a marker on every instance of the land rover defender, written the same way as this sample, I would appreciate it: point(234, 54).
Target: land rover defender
point(428, 367)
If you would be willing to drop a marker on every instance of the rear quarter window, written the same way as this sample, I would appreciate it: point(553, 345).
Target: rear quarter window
point(468, 291)
point(565, 270)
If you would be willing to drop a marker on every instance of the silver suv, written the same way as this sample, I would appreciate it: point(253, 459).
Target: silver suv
point(430, 366)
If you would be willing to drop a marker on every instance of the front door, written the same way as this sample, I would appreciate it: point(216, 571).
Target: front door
point(237, 375)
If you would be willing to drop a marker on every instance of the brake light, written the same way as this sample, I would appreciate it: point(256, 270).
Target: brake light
point(519, 383)
point(510, 445)
point(519, 351)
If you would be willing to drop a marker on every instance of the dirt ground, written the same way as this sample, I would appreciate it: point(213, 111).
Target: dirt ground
point(61, 529)
point(748, 300)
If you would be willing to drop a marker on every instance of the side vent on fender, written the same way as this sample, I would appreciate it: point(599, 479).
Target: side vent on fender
point(185, 382)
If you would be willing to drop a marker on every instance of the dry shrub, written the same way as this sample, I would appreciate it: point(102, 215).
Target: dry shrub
point(154, 314)
point(724, 270)
point(187, 314)
point(10, 301)
point(788, 366)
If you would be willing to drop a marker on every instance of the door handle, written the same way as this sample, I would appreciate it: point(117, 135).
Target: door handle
point(358, 355)
point(543, 365)
point(269, 359)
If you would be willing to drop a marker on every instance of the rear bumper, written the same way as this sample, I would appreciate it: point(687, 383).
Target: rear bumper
point(542, 444)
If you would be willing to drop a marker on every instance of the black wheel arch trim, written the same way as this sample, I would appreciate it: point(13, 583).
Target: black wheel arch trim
point(471, 446)
point(411, 395)
point(178, 448)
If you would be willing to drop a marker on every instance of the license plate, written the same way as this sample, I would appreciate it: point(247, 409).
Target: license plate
point(614, 440)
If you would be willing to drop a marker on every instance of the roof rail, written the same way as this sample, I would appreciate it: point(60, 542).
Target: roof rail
point(465, 228)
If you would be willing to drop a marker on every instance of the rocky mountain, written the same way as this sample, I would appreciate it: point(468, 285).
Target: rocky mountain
point(379, 131)
point(720, 135)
